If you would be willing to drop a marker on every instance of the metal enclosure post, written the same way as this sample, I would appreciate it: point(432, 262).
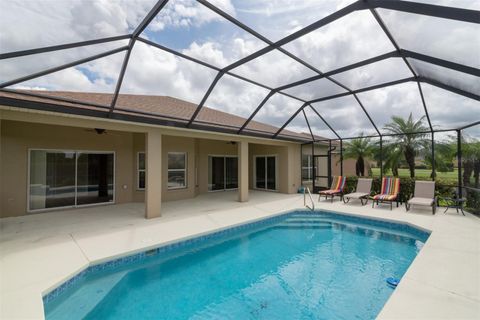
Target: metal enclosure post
point(314, 167)
point(329, 163)
point(459, 160)
point(341, 157)
point(381, 158)
point(434, 174)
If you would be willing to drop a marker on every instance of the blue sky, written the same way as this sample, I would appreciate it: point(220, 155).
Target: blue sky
point(193, 29)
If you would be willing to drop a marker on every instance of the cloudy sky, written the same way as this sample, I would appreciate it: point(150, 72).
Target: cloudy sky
point(191, 28)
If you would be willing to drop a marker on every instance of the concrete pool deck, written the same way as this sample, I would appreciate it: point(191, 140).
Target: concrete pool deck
point(39, 252)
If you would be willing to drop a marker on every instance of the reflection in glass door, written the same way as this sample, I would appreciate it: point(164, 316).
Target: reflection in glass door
point(60, 178)
point(222, 173)
point(94, 178)
point(266, 172)
point(52, 179)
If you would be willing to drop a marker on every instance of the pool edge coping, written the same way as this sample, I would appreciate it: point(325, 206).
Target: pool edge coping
point(140, 253)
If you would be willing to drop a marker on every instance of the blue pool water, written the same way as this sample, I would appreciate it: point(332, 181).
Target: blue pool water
point(297, 266)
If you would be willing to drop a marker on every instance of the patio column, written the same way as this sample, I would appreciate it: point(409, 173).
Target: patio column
point(242, 171)
point(153, 185)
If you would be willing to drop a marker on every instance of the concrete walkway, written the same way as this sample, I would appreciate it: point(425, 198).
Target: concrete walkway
point(39, 252)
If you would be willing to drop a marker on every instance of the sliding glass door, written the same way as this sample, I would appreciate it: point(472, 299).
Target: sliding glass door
point(94, 178)
point(60, 178)
point(222, 173)
point(52, 179)
point(266, 172)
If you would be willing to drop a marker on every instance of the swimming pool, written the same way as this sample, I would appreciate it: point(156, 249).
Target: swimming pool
point(298, 265)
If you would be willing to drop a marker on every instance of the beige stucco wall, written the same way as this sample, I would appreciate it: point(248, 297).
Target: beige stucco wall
point(45, 132)
point(287, 157)
point(18, 137)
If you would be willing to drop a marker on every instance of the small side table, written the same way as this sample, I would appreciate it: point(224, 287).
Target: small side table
point(456, 203)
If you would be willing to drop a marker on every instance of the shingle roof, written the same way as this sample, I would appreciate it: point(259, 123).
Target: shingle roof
point(149, 106)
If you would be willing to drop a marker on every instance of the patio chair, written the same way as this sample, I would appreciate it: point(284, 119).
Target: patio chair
point(336, 189)
point(389, 192)
point(364, 187)
point(424, 195)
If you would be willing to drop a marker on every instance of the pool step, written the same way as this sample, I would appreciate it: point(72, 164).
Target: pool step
point(317, 221)
point(296, 225)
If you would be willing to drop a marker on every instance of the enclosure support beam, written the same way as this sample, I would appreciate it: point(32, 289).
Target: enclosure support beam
point(205, 97)
point(289, 120)
point(434, 173)
point(341, 157)
point(377, 86)
point(324, 121)
point(470, 125)
point(449, 88)
point(365, 62)
point(440, 62)
point(136, 33)
point(453, 13)
point(254, 113)
point(459, 162)
point(308, 125)
point(16, 54)
point(425, 106)
point(329, 163)
point(62, 67)
point(381, 158)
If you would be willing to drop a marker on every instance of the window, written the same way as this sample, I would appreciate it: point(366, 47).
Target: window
point(307, 168)
point(141, 171)
point(60, 178)
point(177, 170)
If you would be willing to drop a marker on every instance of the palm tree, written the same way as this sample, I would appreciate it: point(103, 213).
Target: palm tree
point(444, 155)
point(359, 148)
point(405, 140)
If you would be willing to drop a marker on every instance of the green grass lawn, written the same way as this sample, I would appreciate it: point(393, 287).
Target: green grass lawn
point(421, 174)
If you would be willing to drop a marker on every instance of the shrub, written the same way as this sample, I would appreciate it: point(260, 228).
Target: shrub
point(443, 188)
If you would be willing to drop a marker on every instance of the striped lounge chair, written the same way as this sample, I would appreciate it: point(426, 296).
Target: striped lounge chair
point(336, 189)
point(389, 193)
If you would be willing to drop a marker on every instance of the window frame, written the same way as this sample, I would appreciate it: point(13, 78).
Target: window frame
point(184, 170)
point(309, 168)
point(75, 205)
point(141, 170)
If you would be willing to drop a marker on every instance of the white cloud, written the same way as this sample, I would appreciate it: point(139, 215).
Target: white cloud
point(189, 13)
point(28, 24)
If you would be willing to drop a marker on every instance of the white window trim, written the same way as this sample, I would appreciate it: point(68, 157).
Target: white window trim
point(178, 170)
point(309, 167)
point(77, 152)
point(140, 170)
point(255, 172)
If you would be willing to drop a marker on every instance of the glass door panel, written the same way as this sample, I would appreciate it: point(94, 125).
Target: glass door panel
point(231, 173)
point(52, 179)
point(271, 173)
point(260, 182)
point(216, 177)
point(94, 178)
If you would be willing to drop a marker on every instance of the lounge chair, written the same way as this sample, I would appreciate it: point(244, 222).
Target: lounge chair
point(364, 187)
point(336, 189)
point(389, 192)
point(424, 195)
